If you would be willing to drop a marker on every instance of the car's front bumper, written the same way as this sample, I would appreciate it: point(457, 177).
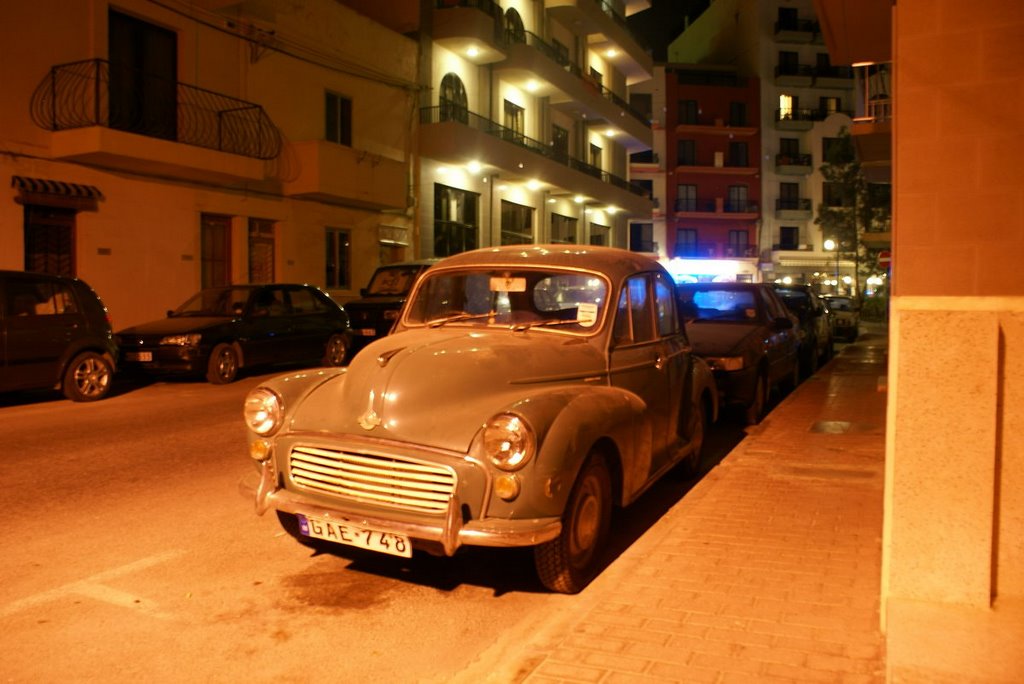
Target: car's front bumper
point(165, 359)
point(449, 531)
point(736, 387)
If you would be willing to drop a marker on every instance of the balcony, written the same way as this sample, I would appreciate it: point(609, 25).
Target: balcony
point(793, 208)
point(717, 208)
point(458, 136)
point(336, 174)
point(833, 77)
point(802, 119)
point(705, 125)
point(569, 88)
point(719, 165)
point(794, 75)
point(606, 31)
point(470, 28)
point(797, 31)
point(793, 164)
point(872, 121)
point(713, 250)
point(120, 118)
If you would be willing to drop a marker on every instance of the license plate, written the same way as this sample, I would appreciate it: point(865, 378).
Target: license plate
point(355, 535)
point(367, 332)
point(140, 356)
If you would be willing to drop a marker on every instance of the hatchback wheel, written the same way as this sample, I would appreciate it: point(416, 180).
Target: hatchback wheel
point(568, 563)
point(336, 350)
point(87, 378)
point(223, 365)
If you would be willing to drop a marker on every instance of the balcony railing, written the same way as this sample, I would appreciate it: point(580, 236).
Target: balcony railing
point(433, 115)
point(95, 92)
point(740, 207)
point(874, 85)
point(792, 160)
point(794, 70)
point(698, 250)
point(802, 25)
point(806, 114)
point(694, 205)
point(562, 60)
point(792, 204)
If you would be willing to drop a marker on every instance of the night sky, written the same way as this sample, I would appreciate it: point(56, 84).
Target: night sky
point(663, 22)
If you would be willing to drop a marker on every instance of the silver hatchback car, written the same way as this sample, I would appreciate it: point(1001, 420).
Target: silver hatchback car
point(523, 393)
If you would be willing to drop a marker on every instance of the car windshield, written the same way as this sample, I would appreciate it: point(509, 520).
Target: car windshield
point(718, 304)
point(393, 280)
point(798, 300)
point(840, 303)
point(560, 301)
point(220, 301)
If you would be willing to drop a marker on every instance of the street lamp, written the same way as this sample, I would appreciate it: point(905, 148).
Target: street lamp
point(830, 245)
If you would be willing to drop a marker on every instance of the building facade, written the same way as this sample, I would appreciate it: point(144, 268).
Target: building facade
point(156, 148)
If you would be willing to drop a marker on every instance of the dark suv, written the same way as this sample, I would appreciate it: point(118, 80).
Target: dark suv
point(54, 332)
point(375, 312)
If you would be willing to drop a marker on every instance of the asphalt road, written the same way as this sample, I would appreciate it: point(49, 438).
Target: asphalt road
point(128, 554)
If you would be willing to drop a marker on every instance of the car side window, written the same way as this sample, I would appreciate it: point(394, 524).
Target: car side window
point(270, 302)
point(28, 298)
point(303, 302)
point(634, 319)
point(665, 306)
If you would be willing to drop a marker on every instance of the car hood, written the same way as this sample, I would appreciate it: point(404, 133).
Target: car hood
point(175, 325)
point(723, 339)
point(437, 387)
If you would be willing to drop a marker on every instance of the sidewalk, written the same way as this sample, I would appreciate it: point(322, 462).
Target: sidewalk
point(768, 570)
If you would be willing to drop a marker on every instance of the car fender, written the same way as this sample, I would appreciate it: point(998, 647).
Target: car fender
point(568, 423)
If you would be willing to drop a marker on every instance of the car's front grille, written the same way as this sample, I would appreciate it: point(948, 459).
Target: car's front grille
point(386, 480)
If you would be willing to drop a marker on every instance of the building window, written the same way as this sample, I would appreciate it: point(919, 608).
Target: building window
point(787, 107)
point(514, 121)
point(597, 76)
point(455, 220)
point(142, 95)
point(738, 200)
point(789, 63)
point(687, 111)
point(738, 243)
point(737, 113)
point(514, 28)
point(828, 105)
point(832, 195)
point(337, 119)
point(595, 156)
point(516, 224)
point(686, 242)
point(686, 152)
point(738, 154)
point(600, 235)
point(563, 230)
point(641, 237)
point(49, 240)
point(453, 100)
point(789, 148)
point(261, 251)
point(789, 195)
point(686, 197)
point(215, 257)
point(789, 237)
point(337, 266)
point(560, 143)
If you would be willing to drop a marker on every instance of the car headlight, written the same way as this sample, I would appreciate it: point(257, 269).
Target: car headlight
point(509, 441)
point(725, 363)
point(189, 340)
point(263, 411)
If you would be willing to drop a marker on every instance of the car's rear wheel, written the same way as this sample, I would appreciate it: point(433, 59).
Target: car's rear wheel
point(566, 564)
point(88, 377)
point(223, 365)
point(335, 350)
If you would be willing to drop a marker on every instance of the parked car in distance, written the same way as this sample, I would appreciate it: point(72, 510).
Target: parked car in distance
point(220, 330)
point(55, 332)
point(814, 325)
point(845, 316)
point(748, 337)
point(380, 302)
point(523, 393)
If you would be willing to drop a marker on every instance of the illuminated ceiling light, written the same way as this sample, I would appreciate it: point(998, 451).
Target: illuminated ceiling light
point(442, 170)
point(612, 209)
point(474, 167)
point(551, 200)
point(502, 187)
point(578, 199)
point(521, 165)
point(610, 133)
point(532, 85)
point(611, 52)
point(472, 51)
point(533, 184)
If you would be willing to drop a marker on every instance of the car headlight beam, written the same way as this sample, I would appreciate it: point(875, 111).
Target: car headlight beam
point(263, 411)
point(509, 441)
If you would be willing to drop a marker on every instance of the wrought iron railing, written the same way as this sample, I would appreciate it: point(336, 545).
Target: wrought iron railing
point(95, 92)
point(792, 204)
point(433, 115)
point(793, 160)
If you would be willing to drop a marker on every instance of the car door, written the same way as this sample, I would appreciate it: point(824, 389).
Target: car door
point(41, 320)
point(648, 364)
point(781, 341)
point(268, 327)
point(311, 323)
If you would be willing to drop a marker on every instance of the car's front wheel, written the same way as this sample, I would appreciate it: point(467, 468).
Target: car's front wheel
point(335, 350)
point(223, 365)
point(88, 377)
point(566, 564)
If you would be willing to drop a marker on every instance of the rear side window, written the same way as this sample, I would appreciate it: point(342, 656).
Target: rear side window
point(28, 297)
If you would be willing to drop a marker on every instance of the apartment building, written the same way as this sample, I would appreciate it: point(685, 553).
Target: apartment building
point(153, 148)
point(525, 126)
point(805, 101)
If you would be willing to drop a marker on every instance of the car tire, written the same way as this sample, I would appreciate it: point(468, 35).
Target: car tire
point(223, 365)
point(568, 563)
point(696, 434)
point(336, 350)
point(756, 408)
point(88, 377)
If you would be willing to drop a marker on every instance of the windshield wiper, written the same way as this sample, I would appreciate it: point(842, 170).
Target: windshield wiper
point(456, 318)
point(552, 321)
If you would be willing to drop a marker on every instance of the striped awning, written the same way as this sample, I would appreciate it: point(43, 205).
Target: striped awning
point(56, 193)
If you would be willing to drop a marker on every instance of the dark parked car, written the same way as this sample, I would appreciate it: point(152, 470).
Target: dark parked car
point(54, 332)
point(523, 393)
point(845, 316)
point(375, 312)
point(815, 327)
point(223, 329)
point(747, 336)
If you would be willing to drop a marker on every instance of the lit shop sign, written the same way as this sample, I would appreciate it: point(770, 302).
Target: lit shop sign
point(718, 270)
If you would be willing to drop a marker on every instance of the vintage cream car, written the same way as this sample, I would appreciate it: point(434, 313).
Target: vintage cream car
point(524, 392)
